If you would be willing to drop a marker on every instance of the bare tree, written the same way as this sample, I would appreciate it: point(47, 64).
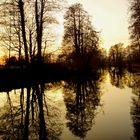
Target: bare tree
point(117, 55)
point(134, 27)
point(79, 35)
point(30, 21)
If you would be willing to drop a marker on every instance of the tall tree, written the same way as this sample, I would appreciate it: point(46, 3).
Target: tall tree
point(134, 27)
point(34, 18)
point(39, 13)
point(117, 55)
point(22, 15)
point(79, 35)
point(10, 22)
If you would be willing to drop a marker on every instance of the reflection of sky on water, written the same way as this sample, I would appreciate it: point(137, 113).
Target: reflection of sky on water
point(113, 119)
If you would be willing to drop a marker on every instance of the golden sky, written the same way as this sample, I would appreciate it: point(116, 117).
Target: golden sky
point(110, 17)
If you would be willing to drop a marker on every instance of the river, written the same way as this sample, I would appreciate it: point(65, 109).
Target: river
point(106, 107)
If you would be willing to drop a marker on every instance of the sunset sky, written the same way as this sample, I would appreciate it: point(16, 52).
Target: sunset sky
point(110, 17)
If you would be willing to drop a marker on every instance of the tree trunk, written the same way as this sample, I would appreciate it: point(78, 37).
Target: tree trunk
point(22, 16)
point(39, 28)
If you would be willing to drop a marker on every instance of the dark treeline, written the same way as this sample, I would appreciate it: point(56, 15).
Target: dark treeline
point(129, 56)
point(26, 32)
point(25, 25)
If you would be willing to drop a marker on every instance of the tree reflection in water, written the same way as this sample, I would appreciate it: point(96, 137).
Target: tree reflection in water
point(132, 80)
point(82, 97)
point(118, 77)
point(31, 118)
point(135, 108)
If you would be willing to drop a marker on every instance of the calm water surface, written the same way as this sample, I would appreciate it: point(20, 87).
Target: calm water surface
point(103, 108)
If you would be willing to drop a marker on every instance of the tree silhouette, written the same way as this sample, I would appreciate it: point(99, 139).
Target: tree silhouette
point(117, 55)
point(80, 40)
point(27, 23)
point(134, 27)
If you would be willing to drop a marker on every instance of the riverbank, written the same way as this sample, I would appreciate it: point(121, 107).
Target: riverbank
point(17, 77)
